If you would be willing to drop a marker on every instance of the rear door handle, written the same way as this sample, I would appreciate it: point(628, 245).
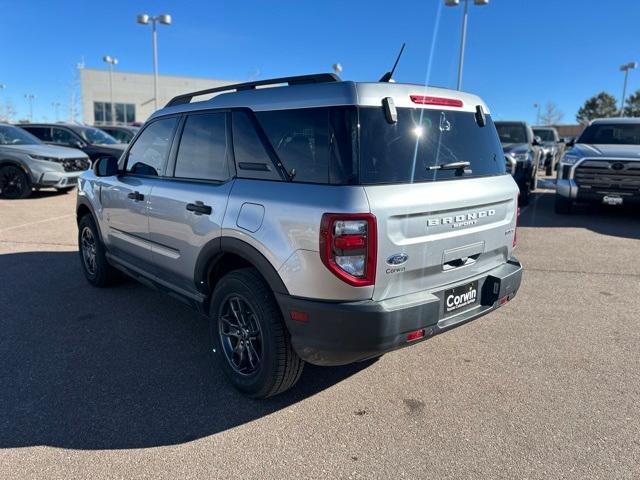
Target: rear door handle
point(137, 196)
point(199, 208)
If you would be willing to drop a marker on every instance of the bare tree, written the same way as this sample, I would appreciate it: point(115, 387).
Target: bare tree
point(7, 112)
point(551, 114)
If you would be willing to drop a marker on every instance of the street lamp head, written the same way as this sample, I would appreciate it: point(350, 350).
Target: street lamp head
point(110, 60)
point(143, 19)
point(164, 19)
point(452, 3)
point(481, 2)
point(629, 66)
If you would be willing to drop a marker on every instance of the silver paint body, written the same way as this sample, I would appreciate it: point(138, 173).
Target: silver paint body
point(566, 186)
point(43, 173)
point(282, 219)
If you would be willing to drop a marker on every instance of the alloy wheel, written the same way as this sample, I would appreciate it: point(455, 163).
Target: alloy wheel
point(240, 335)
point(88, 246)
point(12, 182)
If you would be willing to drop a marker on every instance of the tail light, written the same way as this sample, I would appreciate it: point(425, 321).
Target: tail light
point(348, 247)
point(515, 233)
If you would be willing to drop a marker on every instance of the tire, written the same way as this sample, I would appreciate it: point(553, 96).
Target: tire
point(14, 183)
point(563, 205)
point(260, 326)
point(95, 266)
point(65, 190)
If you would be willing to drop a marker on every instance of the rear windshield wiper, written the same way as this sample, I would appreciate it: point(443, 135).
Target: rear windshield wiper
point(450, 166)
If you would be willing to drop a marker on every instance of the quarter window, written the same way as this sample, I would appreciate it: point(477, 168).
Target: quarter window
point(317, 143)
point(203, 148)
point(252, 160)
point(149, 153)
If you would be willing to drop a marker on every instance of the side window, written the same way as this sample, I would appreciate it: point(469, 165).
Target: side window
point(202, 153)
point(300, 138)
point(43, 133)
point(149, 153)
point(252, 160)
point(63, 136)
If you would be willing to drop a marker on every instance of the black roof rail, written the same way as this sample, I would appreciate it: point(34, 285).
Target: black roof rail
point(298, 80)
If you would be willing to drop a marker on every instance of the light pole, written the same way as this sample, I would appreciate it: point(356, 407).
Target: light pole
point(625, 68)
point(111, 61)
point(30, 98)
point(144, 19)
point(56, 108)
point(463, 39)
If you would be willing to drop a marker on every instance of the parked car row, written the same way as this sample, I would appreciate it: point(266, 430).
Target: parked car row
point(52, 155)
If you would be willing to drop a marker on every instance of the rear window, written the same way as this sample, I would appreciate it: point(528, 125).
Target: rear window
point(612, 134)
point(403, 152)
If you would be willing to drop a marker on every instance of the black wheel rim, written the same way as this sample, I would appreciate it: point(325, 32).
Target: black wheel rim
point(12, 182)
point(88, 247)
point(240, 335)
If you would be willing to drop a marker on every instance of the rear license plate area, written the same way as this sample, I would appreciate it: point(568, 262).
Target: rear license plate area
point(460, 298)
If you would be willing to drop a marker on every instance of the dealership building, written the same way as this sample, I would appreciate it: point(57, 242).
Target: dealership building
point(132, 94)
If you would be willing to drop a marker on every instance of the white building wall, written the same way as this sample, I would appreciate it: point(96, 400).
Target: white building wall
point(135, 88)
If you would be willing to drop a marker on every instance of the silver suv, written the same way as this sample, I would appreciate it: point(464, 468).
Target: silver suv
point(317, 220)
point(26, 164)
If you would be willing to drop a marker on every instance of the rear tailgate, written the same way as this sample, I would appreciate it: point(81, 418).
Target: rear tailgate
point(435, 234)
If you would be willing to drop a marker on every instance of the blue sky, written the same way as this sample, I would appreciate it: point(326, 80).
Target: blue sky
point(519, 52)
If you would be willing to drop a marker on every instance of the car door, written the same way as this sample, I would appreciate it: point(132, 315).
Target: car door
point(186, 208)
point(125, 197)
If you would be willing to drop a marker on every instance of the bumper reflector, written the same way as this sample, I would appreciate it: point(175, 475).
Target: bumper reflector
point(299, 316)
point(415, 335)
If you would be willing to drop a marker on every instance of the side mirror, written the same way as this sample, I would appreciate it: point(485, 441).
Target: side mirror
point(570, 142)
point(78, 144)
point(537, 140)
point(106, 167)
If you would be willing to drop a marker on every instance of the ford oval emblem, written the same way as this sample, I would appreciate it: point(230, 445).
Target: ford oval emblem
point(397, 259)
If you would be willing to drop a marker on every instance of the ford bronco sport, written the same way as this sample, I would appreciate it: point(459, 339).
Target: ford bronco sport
point(312, 219)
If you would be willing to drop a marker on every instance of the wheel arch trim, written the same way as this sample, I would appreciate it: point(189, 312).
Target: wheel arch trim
point(214, 250)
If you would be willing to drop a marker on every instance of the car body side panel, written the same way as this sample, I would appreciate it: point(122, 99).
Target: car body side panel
point(288, 236)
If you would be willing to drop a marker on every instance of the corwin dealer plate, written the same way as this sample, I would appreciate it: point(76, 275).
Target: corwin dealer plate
point(460, 297)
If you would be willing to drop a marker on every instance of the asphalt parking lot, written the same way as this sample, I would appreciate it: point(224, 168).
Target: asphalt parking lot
point(117, 383)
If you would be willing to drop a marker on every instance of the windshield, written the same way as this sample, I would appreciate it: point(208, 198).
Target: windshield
point(10, 135)
point(612, 134)
point(511, 132)
point(407, 151)
point(97, 137)
point(544, 134)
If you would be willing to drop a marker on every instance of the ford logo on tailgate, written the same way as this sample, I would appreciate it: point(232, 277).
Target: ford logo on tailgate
point(397, 259)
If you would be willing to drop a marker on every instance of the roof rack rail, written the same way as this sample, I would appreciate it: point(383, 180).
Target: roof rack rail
point(297, 80)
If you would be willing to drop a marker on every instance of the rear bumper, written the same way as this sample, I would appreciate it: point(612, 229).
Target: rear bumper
point(338, 333)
